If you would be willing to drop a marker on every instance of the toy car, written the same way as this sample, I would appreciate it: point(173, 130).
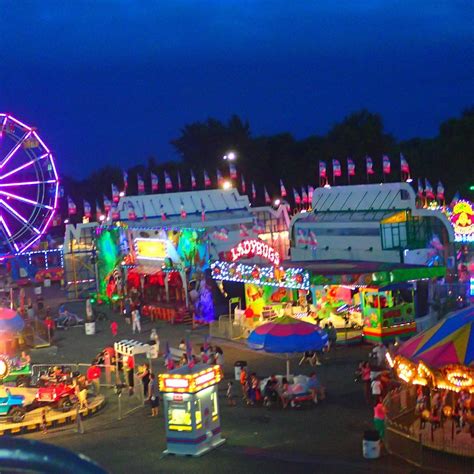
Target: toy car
point(12, 407)
point(60, 395)
point(11, 373)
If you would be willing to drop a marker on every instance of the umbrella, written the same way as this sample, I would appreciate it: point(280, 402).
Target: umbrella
point(451, 341)
point(10, 321)
point(287, 335)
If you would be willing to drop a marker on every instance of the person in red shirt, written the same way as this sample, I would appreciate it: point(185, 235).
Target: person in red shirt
point(93, 376)
point(114, 328)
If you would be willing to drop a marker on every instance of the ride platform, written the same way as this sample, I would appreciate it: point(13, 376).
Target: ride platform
point(54, 418)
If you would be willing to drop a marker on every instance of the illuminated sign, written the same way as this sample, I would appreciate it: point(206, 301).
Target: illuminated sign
point(190, 383)
point(151, 249)
point(254, 248)
point(462, 219)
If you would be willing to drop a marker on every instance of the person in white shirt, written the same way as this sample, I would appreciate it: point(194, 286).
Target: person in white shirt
point(136, 321)
point(376, 387)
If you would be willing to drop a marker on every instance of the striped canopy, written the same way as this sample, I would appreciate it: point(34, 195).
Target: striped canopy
point(451, 341)
point(287, 335)
point(10, 321)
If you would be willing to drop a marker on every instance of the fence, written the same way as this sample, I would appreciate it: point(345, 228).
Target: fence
point(439, 448)
point(227, 330)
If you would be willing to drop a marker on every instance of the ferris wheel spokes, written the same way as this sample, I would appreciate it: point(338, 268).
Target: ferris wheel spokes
point(23, 199)
point(26, 183)
point(15, 149)
point(19, 217)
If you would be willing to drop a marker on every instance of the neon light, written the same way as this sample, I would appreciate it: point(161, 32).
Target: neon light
point(29, 201)
point(26, 183)
point(29, 163)
point(151, 249)
point(17, 214)
point(254, 247)
point(202, 379)
point(176, 383)
point(13, 119)
point(462, 219)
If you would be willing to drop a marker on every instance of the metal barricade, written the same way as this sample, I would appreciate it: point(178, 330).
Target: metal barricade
point(39, 369)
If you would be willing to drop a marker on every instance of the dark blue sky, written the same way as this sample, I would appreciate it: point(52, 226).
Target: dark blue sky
point(112, 81)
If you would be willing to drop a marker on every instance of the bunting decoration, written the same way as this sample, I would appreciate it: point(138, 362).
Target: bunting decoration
point(296, 197)
point(131, 211)
point(232, 171)
point(71, 207)
point(304, 196)
point(267, 196)
point(404, 169)
point(203, 211)
point(154, 183)
point(282, 189)
point(163, 212)
point(244, 232)
point(369, 165)
point(220, 179)
point(440, 192)
point(98, 211)
point(207, 180)
point(242, 184)
point(125, 181)
point(140, 185)
point(386, 164)
point(183, 211)
point(168, 182)
point(322, 173)
point(193, 180)
point(179, 180)
point(336, 168)
point(310, 195)
point(115, 194)
point(115, 212)
point(254, 191)
point(350, 167)
point(221, 234)
point(420, 191)
point(455, 199)
point(107, 204)
point(87, 210)
point(429, 190)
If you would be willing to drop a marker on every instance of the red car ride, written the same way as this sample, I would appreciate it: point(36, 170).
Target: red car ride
point(60, 395)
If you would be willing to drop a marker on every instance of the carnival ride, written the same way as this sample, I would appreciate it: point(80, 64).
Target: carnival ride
point(29, 186)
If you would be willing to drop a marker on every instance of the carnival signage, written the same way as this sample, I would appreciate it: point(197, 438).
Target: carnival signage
point(462, 219)
point(254, 248)
point(151, 249)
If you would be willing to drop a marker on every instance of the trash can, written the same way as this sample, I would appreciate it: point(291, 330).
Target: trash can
point(371, 445)
point(238, 368)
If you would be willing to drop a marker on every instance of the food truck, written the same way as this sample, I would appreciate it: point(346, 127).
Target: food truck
point(191, 409)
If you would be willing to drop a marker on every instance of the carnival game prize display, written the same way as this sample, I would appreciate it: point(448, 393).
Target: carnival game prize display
point(191, 409)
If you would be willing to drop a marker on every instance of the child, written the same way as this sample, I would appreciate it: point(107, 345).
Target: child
point(114, 328)
point(230, 395)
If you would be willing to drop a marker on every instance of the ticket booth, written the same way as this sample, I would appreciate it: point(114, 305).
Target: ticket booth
point(191, 409)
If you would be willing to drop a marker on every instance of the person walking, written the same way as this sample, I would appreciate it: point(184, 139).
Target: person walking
point(136, 325)
point(379, 418)
point(153, 395)
point(365, 376)
point(114, 328)
point(145, 377)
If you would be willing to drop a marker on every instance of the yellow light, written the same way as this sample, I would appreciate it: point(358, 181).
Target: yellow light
point(226, 185)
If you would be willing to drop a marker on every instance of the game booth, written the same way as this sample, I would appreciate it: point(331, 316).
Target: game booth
point(377, 300)
point(162, 266)
point(191, 409)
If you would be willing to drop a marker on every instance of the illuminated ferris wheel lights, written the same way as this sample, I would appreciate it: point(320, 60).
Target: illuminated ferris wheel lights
point(21, 124)
point(29, 201)
point(14, 150)
point(18, 215)
point(22, 167)
point(27, 183)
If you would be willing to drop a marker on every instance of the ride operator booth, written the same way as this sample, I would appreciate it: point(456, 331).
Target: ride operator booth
point(191, 409)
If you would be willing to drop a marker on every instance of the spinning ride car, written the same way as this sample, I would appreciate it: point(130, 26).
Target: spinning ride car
point(10, 373)
point(60, 395)
point(12, 407)
point(191, 409)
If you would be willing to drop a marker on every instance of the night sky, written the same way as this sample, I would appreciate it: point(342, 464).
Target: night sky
point(113, 81)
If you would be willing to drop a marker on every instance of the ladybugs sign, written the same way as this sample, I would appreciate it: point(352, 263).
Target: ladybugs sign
point(254, 248)
point(462, 219)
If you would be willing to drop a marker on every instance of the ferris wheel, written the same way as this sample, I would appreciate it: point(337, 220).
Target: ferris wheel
point(28, 186)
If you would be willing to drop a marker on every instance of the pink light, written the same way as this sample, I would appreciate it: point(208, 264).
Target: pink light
point(42, 142)
point(27, 183)
point(2, 220)
point(19, 123)
point(14, 150)
point(29, 201)
point(54, 166)
point(18, 215)
point(23, 166)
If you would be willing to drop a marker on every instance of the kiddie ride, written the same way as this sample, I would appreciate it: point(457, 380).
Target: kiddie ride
point(59, 395)
point(12, 407)
point(19, 375)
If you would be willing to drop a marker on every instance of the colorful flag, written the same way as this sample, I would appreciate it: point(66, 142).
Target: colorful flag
point(282, 189)
point(125, 180)
point(455, 199)
point(254, 191)
point(310, 194)
point(87, 210)
point(405, 168)
point(168, 182)
point(322, 169)
point(336, 168)
point(420, 191)
point(386, 164)
point(179, 181)
point(351, 169)
point(140, 185)
point(183, 211)
point(296, 197)
point(244, 232)
point(163, 212)
point(107, 204)
point(71, 207)
point(369, 165)
point(203, 211)
point(429, 190)
point(115, 213)
point(131, 211)
point(115, 193)
point(207, 180)
point(57, 220)
point(304, 196)
point(242, 184)
point(220, 179)
point(193, 180)
point(232, 171)
point(154, 183)
point(267, 196)
point(98, 211)
point(440, 191)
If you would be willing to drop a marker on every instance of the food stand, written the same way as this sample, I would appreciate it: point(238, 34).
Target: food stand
point(191, 409)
